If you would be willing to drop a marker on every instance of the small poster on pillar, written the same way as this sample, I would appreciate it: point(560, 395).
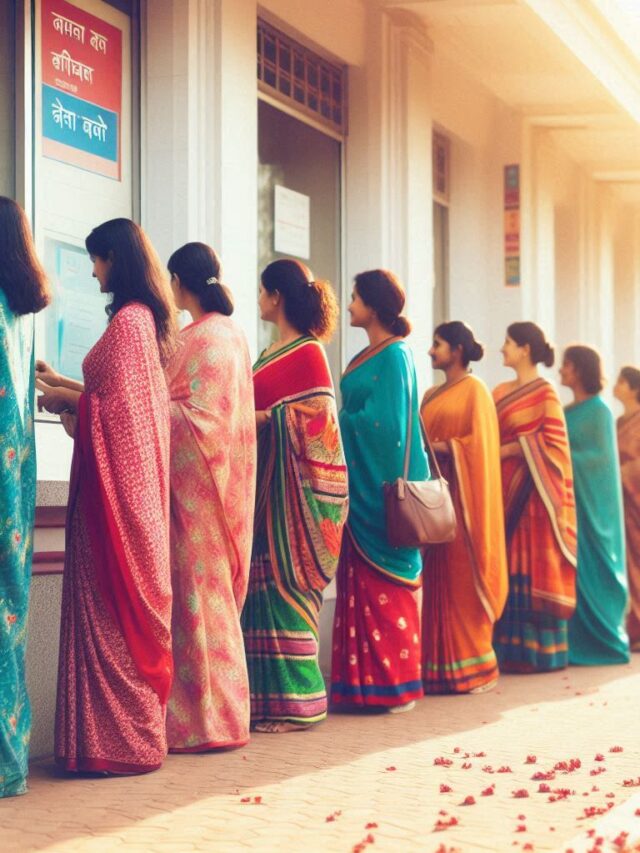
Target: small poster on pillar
point(512, 225)
point(81, 88)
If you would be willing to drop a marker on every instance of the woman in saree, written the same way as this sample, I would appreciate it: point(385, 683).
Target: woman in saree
point(465, 581)
point(24, 291)
point(212, 484)
point(301, 501)
point(539, 506)
point(627, 390)
point(597, 633)
point(376, 632)
point(115, 665)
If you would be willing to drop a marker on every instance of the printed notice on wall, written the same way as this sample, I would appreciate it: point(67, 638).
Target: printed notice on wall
point(76, 318)
point(291, 223)
point(512, 225)
point(81, 89)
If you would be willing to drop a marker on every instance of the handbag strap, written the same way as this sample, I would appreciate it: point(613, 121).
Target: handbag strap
point(433, 459)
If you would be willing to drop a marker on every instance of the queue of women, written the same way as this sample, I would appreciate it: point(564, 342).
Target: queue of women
point(211, 503)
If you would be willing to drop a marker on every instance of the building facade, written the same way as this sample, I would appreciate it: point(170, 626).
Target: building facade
point(488, 151)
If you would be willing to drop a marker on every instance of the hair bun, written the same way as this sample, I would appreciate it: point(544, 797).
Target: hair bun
point(549, 355)
point(477, 351)
point(400, 326)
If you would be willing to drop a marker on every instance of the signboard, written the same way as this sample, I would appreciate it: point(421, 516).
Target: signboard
point(81, 89)
point(291, 223)
point(512, 225)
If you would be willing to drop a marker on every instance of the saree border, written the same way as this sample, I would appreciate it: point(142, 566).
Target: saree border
point(367, 354)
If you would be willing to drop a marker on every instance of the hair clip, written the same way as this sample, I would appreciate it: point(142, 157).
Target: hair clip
point(213, 280)
point(310, 283)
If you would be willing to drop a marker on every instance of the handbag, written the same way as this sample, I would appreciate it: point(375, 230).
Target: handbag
point(419, 512)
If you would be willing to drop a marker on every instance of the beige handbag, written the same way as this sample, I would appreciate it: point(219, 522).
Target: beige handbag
point(419, 512)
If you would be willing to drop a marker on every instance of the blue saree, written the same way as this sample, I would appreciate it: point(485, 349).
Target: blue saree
point(17, 507)
point(596, 630)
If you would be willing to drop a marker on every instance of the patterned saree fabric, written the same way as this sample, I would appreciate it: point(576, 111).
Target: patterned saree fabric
point(17, 506)
point(540, 519)
point(596, 630)
point(213, 463)
point(301, 507)
point(629, 449)
point(115, 665)
point(465, 582)
point(376, 636)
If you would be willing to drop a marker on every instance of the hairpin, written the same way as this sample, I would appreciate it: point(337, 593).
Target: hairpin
point(310, 283)
point(213, 280)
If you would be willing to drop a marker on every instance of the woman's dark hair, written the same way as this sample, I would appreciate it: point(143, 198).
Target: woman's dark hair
point(136, 275)
point(528, 333)
point(198, 268)
point(22, 277)
point(381, 290)
point(458, 334)
point(588, 365)
point(309, 306)
point(631, 376)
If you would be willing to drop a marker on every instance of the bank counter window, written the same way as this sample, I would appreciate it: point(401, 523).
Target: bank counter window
point(84, 173)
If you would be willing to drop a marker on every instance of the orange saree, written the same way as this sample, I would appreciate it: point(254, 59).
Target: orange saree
point(629, 449)
point(540, 515)
point(465, 581)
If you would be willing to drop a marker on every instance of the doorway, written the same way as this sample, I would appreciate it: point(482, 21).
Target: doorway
point(298, 157)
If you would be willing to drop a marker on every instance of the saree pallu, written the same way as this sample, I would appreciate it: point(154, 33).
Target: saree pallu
point(376, 655)
point(465, 582)
point(17, 508)
point(115, 665)
point(596, 630)
point(629, 449)
point(213, 463)
point(301, 507)
point(540, 520)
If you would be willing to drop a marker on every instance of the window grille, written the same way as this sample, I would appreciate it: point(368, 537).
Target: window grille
point(299, 77)
point(441, 163)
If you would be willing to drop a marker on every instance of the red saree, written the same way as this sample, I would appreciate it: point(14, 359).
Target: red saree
point(540, 517)
point(115, 666)
point(629, 449)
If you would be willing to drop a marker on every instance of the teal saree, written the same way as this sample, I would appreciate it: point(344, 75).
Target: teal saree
point(596, 631)
point(17, 507)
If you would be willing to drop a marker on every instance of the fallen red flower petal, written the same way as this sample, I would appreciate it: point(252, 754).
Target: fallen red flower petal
point(371, 826)
point(456, 749)
point(329, 818)
point(599, 757)
point(522, 817)
point(245, 800)
point(520, 794)
point(390, 768)
point(637, 813)
point(504, 769)
point(531, 759)
point(441, 825)
point(521, 828)
point(620, 840)
point(468, 801)
point(544, 788)
point(488, 769)
point(616, 749)
point(479, 754)
point(445, 789)
point(438, 762)
point(550, 774)
point(467, 765)
point(632, 783)
point(488, 792)
point(568, 766)
point(597, 771)
point(369, 839)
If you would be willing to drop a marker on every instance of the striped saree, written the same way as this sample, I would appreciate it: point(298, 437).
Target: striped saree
point(465, 581)
point(629, 449)
point(301, 507)
point(540, 519)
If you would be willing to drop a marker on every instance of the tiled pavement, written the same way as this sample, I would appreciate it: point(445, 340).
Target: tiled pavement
point(375, 781)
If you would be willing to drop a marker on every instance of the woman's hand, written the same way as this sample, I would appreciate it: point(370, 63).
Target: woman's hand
point(55, 400)
point(510, 449)
point(68, 420)
point(262, 418)
point(47, 374)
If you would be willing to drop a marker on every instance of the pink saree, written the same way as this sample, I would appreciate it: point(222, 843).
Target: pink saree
point(213, 465)
point(629, 449)
point(115, 664)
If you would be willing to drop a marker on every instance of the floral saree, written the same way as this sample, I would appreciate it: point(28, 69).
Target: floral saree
point(213, 450)
point(17, 507)
point(629, 449)
point(301, 507)
point(115, 665)
point(465, 581)
point(540, 518)
point(597, 633)
point(376, 656)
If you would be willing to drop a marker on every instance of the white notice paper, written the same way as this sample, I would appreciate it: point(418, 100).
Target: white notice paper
point(291, 223)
